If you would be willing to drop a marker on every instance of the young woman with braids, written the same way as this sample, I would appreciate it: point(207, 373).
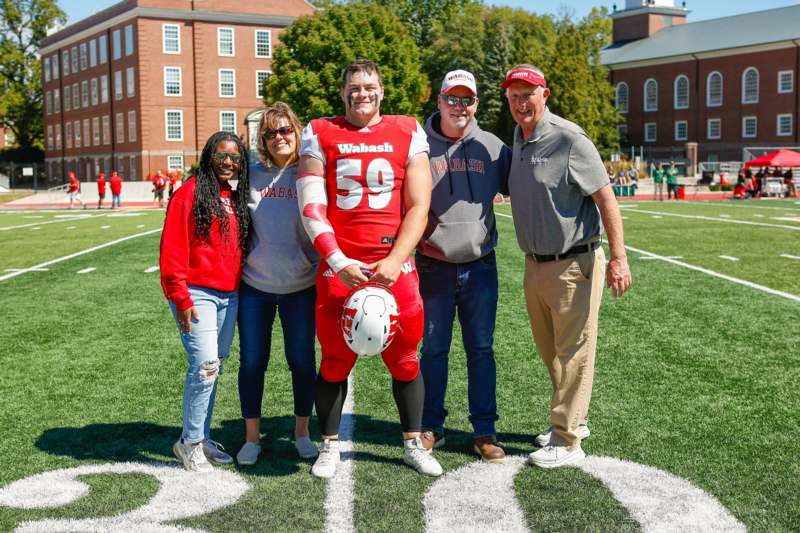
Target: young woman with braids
point(278, 279)
point(202, 247)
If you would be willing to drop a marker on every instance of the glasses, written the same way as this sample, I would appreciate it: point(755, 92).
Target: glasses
point(465, 101)
point(283, 130)
point(220, 157)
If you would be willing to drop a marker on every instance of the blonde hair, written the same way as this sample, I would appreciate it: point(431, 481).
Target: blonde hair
point(269, 120)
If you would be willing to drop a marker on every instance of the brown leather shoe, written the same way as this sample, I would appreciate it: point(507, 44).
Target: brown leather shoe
point(431, 439)
point(489, 450)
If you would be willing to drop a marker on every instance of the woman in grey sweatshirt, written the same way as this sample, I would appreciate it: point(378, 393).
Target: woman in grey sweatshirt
point(278, 278)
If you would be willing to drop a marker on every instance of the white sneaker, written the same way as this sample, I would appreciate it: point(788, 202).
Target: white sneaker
point(543, 439)
point(325, 465)
point(215, 453)
point(305, 448)
point(555, 456)
point(420, 459)
point(248, 454)
point(192, 457)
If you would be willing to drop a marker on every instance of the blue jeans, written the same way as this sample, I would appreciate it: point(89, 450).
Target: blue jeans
point(256, 314)
point(207, 346)
point(471, 289)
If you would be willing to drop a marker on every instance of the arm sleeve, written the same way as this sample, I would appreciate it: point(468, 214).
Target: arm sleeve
point(419, 143)
point(174, 257)
point(309, 144)
point(504, 164)
point(313, 202)
point(586, 169)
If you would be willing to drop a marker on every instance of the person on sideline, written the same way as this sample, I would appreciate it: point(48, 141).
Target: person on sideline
point(456, 261)
point(658, 182)
point(202, 245)
point(561, 201)
point(364, 187)
point(159, 185)
point(278, 277)
point(115, 181)
point(101, 189)
point(74, 190)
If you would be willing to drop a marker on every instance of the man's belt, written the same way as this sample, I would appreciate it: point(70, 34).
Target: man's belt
point(572, 252)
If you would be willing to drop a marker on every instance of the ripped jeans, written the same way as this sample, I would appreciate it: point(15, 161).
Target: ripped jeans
point(207, 346)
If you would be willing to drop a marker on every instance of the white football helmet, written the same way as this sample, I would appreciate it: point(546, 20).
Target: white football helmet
point(369, 319)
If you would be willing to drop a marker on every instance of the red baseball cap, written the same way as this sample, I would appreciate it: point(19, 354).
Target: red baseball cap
point(524, 74)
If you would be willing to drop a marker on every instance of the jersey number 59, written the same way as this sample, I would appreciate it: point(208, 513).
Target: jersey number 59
point(379, 179)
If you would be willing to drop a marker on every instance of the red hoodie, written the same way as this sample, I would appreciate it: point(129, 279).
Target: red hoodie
point(116, 184)
point(186, 260)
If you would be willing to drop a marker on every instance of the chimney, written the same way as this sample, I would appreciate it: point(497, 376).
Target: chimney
point(643, 18)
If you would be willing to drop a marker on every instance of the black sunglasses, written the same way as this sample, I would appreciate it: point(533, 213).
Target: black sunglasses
point(465, 101)
point(220, 157)
point(283, 130)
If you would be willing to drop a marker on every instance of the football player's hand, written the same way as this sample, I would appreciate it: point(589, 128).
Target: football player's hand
point(351, 275)
point(386, 271)
point(618, 276)
point(185, 319)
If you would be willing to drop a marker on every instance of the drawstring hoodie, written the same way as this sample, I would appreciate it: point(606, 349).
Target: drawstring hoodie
point(461, 144)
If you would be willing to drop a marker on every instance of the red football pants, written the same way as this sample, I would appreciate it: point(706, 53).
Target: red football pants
point(401, 355)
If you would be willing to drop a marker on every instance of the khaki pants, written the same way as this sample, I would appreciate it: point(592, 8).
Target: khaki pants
point(563, 300)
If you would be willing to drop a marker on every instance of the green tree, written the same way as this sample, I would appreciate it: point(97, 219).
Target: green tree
point(314, 49)
point(23, 26)
point(420, 16)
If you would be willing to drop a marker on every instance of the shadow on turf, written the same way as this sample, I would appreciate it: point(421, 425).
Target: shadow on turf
point(146, 442)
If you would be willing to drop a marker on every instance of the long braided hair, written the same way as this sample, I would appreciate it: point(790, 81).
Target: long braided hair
point(207, 204)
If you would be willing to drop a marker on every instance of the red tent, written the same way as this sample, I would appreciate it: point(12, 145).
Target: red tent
point(781, 158)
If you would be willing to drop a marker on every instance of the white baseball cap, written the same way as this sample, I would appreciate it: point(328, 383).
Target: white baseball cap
point(459, 78)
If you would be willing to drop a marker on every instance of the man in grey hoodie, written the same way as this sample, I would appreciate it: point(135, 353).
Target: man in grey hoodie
point(456, 260)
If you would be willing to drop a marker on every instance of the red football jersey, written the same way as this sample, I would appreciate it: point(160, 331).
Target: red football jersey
point(364, 173)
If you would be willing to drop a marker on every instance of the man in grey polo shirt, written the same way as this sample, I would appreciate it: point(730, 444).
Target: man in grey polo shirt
point(561, 200)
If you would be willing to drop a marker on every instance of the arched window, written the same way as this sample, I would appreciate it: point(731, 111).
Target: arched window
point(681, 92)
point(750, 86)
point(714, 89)
point(622, 97)
point(651, 95)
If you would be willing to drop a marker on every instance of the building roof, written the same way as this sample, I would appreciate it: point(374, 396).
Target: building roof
point(737, 31)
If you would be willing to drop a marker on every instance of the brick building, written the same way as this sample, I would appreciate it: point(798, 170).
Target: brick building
point(709, 90)
point(141, 85)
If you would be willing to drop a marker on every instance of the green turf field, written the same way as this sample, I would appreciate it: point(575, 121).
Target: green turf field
point(697, 376)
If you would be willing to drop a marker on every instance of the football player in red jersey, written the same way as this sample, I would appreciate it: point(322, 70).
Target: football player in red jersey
point(364, 187)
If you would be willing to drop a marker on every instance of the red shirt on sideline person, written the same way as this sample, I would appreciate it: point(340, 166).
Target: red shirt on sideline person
point(74, 184)
point(116, 183)
point(187, 260)
point(101, 184)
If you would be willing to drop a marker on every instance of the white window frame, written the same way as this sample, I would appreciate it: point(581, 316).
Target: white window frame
point(751, 100)
point(676, 103)
point(65, 62)
point(180, 81)
point(57, 101)
point(46, 69)
point(791, 81)
point(175, 161)
point(93, 53)
point(54, 64)
point(95, 131)
point(778, 124)
point(48, 103)
point(647, 138)
point(684, 123)
point(104, 89)
point(76, 97)
point(221, 125)
point(645, 105)
point(620, 86)
point(116, 44)
point(219, 41)
point(106, 122)
point(50, 137)
point(164, 38)
point(119, 128)
point(84, 56)
point(219, 82)
point(103, 46)
point(85, 93)
point(95, 91)
point(166, 124)
point(68, 135)
point(87, 133)
point(255, 39)
point(130, 82)
point(268, 73)
point(129, 44)
point(118, 85)
point(710, 103)
point(67, 97)
point(132, 126)
point(744, 127)
point(58, 136)
point(73, 53)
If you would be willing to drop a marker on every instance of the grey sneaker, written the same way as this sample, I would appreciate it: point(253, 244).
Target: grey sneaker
point(192, 457)
point(305, 448)
point(248, 454)
point(215, 453)
point(543, 439)
point(556, 456)
point(420, 459)
point(328, 459)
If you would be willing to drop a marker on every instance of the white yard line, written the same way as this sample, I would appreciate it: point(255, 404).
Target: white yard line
point(789, 256)
point(28, 269)
point(738, 281)
point(715, 219)
point(87, 270)
point(751, 206)
point(729, 257)
point(71, 227)
point(341, 488)
point(70, 219)
point(104, 227)
point(149, 270)
point(77, 254)
point(35, 228)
